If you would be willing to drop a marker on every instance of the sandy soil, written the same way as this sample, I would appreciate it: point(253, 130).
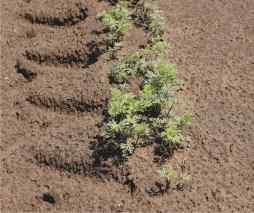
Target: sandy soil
point(54, 88)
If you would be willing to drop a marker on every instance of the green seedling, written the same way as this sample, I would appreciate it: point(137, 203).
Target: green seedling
point(149, 16)
point(116, 22)
point(173, 135)
point(169, 173)
point(129, 65)
point(127, 148)
point(183, 120)
point(139, 63)
point(162, 75)
point(120, 103)
point(177, 181)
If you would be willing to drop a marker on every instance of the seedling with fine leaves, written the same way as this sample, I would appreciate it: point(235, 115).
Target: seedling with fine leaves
point(139, 63)
point(149, 16)
point(172, 135)
point(169, 173)
point(116, 22)
point(177, 180)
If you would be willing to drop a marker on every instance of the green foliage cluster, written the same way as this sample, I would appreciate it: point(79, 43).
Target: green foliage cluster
point(139, 63)
point(149, 16)
point(172, 134)
point(135, 120)
point(129, 126)
point(139, 119)
point(178, 180)
point(168, 172)
point(116, 22)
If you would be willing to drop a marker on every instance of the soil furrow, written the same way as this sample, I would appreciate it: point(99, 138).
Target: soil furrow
point(64, 89)
point(68, 46)
point(58, 13)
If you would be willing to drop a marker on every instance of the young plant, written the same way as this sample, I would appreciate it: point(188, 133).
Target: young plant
point(127, 148)
point(172, 135)
point(157, 49)
point(128, 66)
point(134, 118)
point(138, 63)
point(169, 173)
point(128, 126)
point(149, 16)
point(116, 22)
point(162, 75)
point(120, 103)
point(178, 181)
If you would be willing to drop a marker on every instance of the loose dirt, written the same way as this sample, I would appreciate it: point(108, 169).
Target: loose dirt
point(54, 89)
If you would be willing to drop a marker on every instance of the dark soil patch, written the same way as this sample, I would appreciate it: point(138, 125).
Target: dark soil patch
point(59, 13)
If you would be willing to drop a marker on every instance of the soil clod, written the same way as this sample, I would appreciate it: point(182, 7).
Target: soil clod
point(47, 197)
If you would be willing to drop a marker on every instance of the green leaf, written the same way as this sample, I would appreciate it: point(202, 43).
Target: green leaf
point(119, 103)
point(185, 119)
point(141, 129)
point(163, 75)
point(127, 148)
point(172, 134)
point(116, 21)
point(168, 172)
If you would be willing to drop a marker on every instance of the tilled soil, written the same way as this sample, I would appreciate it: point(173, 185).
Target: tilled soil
point(54, 88)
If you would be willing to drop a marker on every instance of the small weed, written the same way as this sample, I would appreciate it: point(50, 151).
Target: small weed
point(149, 16)
point(172, 135)
point(161, 75)
point(127, 127)
point(129, 65)
point(169, 173)
point(116, 22)
point(139, 63)
point(177, 181)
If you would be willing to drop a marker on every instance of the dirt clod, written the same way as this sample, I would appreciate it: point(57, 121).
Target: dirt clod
point(47, 197)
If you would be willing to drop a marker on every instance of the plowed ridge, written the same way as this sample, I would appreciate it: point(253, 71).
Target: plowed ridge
point(64, 87)
point(58, 13)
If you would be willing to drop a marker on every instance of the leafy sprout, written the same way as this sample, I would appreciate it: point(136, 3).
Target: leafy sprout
point(168, 172)
point(139, 63)
point(116, 22)
point(149, 16)
point(120, 103)
point(162, 75)
point(172, 134)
